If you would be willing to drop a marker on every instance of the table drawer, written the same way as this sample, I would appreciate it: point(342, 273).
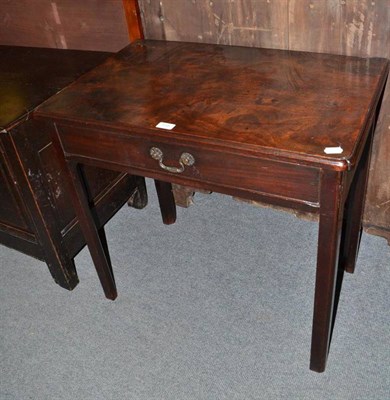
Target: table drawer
point(209, 165)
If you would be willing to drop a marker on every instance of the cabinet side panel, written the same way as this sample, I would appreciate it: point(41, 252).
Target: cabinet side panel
point(13, 213)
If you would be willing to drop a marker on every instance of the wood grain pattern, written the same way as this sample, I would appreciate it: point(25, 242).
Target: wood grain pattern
point(316, 25)
point(377, 211)
point(133, 19)
point(65, 24)
point(230, 137)
point(366, 30)
point(246, 173)
point(351, 27)
point(359, 28)
point(27, 25)
point(298, 102)
point(258, 23)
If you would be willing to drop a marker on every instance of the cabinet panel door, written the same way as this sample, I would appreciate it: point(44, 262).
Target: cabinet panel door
point(13, 215)
point(49, 183)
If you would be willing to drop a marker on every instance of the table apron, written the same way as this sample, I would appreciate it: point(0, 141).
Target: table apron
point(212, 167)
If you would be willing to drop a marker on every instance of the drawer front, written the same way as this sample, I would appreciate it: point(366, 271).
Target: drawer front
point(210, 165)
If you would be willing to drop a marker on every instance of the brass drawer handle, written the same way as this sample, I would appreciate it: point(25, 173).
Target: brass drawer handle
point(186, 159)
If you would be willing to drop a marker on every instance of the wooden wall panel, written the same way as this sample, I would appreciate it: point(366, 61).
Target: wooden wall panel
point(351, 27)
point(316, 25)
point(73, 24)
point(377, 213)
point(27, 26)
point(357, 28)
point(261, 23)
point(367, 28)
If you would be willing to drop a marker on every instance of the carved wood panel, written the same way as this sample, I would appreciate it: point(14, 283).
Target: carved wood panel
point(12, 212)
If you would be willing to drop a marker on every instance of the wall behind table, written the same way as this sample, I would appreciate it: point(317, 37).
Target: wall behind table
point(351, 27)
point(72, 24)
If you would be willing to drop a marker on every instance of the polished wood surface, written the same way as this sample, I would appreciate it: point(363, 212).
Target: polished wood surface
point(29, 76)
point(289, 102)
point(252, 123)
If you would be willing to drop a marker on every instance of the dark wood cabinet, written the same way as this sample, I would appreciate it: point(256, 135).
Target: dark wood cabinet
point(36, 215)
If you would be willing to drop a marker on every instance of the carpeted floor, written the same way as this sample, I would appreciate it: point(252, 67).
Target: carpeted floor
point(217, 306)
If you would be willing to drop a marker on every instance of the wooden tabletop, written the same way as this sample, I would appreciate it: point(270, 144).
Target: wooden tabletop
point(290, 103)
point(30, 75)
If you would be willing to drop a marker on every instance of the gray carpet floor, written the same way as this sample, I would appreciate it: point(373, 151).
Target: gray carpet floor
point(216, 306)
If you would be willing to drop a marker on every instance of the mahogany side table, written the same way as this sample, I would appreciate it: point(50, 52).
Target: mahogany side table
point(288, 128)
